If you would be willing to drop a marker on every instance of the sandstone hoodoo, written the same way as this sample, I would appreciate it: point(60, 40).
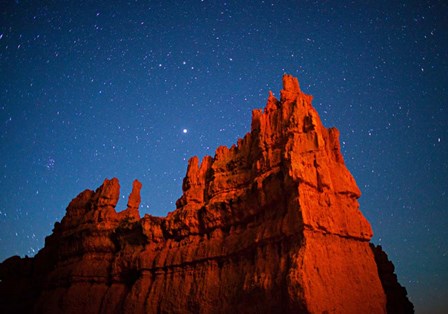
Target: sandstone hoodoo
point(270, 225)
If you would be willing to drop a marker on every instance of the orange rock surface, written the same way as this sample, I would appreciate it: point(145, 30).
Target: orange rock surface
point(270, 225)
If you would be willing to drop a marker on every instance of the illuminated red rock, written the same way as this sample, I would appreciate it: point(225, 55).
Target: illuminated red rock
point(270, 225)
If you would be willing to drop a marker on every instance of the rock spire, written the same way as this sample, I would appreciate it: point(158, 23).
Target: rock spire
point(269, 225)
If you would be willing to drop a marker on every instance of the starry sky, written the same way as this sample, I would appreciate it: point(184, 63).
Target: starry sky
point(133, 89)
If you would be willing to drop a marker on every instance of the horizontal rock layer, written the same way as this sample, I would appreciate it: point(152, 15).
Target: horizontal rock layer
point(270, 225)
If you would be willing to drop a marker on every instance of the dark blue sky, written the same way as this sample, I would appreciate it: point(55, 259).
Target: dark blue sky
point(96, 89)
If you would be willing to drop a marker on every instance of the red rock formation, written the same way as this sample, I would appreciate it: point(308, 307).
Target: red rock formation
point(270, 225)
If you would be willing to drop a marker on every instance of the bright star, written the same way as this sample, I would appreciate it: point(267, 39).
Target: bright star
point(184, 131)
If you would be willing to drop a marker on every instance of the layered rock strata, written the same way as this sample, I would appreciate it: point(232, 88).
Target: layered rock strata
point(270, 225)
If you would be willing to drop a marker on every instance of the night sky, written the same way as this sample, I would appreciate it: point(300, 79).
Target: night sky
point(132, 89)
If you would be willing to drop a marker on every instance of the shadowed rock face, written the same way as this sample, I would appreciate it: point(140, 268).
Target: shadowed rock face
point(397, 299)
point(270, 225)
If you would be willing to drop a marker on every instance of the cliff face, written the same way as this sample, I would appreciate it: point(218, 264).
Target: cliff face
point(270, 225)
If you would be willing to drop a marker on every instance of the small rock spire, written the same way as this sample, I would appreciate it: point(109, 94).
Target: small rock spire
point(290, 83)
